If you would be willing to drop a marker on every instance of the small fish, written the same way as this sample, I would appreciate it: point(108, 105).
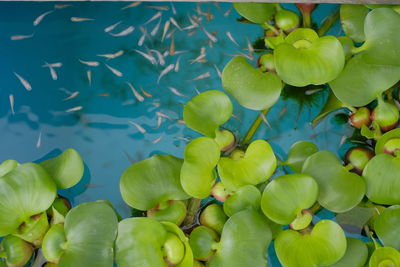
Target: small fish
point(160, 114)
point(77, 19)
point(157, 140)
point(140, 128)
point(183, 138)
point(166, 53)
point(176, 69)
point(173, 21)
point(53, 65)
point(160, 56)
point(175, 91)
point(250, 48)
point(312, 91)
point(39, 140)
point(112, 27)
point(113, 55)
point(283, 111)
point(202, 76)
point(135, 93)
point(90, 63)
point(159, 121)
point(156, 104)
point(226, 14)
point(89, 77)
point(156, 16)
point(165, 71)
point(218, 71)
point(104, 95)
point(170, 34)
point(24, 82)
point(129, 157)
point(115, 71)
point(155, 29)
point(125, 32)
point(173, 9)
point(181, 121)
point(342, 141)
point(53, 72)
point(166, 27)
point(41, 17)
point(172, 47)
point(201, 57)
point(143, 37)
point(265, 120)
point(163, 8)
point(197, 91)
point(11, 97)
point(131, 5)
point(231, 38)
point(147, 94)
point(21, 37)
point(210, 36)
point(60, 6)
point(72, 95)
point(149, 57)
point(77, 108)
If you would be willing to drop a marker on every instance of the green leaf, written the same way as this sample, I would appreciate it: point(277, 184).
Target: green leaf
point(376, 67)
point(385, 256)
point(187, 260)
point(7, 166)
point(198, 170)
point(207, 111)
point(213, 216)
point(285, 197)
point(305, 59)
point(256, 166)
point(17, 252)
point(356, 254)
point(380, 144)
point(66, 169)
point(325, 245)
point(387, 227)
point(246, 197)
point(202, 240)
point(251, 87)
point(382, 176)
point(339, 189)
point(149, 182)
point(352, 18)
point(25, 191)
point(90, 230)
point(298, 153)
point(171, 211)
point(348, 46)
point(244, 241)
point(255, 12)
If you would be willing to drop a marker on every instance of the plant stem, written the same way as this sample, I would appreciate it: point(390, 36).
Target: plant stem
point(306, 20)
point(253, 128)
point(328, 22)
point(193, 207)
point(268, 26)
point(314, 209)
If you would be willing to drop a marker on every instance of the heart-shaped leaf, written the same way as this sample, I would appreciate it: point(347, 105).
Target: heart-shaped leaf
point(255, 12)
point(251, 87)
point(382, 176)
point(298, 153)
point(377, 65)
point(15, 251)
point(304, 58)
point(356, 254)
point(25, 191)
point(246, 197)
point(323, 246)
point(149, 182)
point(339, 189)
point(198, 170)
point(244, 241)
point(66, 169)
point(254, 166)
point(202, 240)
point(387, 227)
point(287, 196)
point(385, 256)
point(87, 238)
point(352, 18)
point(205, 112)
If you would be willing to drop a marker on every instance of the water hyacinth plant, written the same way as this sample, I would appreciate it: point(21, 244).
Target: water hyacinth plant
point(226, 203)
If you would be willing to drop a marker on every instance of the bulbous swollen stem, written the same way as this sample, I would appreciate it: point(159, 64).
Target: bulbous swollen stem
point(219, 192)
point(302, 44)
point(173, 250)
point(385, 114)
point(225, 139)
point(356, 158)
point(361, 117)
point(302, 220)
point(392, 147)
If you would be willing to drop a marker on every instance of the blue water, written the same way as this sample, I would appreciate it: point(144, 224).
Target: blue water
point(101, 130)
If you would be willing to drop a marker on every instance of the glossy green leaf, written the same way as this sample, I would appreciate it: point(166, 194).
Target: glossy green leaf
point(339, 189)
point(256, 166)
point(323, 246)
point(90, 230)
point(205, 112)
point(213, 216)
point(380, 144)
point(255, 12)
point(298, 153)
point(16, 251)
point(198, 170)
point(376, 67)
point(202, 240)
point(244, 241)
point(273, 41)
point(348, 46)
point(7, 166)
point(352, 18)
point(305, 59)
point(171, 211)
point(387, 227)
point(33, 229)
point(251, 87)
point(356, 217)
point(246, 197)
point(385, 257)
point(285, 197)
point(356, 254)
point(66, 169)
point(382, 176)
point(187, 260)
point(149, 182)
point(25, 191)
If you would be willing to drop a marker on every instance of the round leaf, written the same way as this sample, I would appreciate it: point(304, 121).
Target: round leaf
point(202, 240)
point(382, 176)
point(387, 227)
point(352, 18)
point(298, 153)
point(356, 254)
point(244, 241)
point(286, 196)
point(16, 251)
point(255, 12)
point(256, 166)
point(25, 191)
point(324, 246)
point(377, 65)
point(385, 256)
point(305, 59)
point(205, 112)
point(251, 87)
point(339, 189)
point(246, 197)
point(149, 182)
